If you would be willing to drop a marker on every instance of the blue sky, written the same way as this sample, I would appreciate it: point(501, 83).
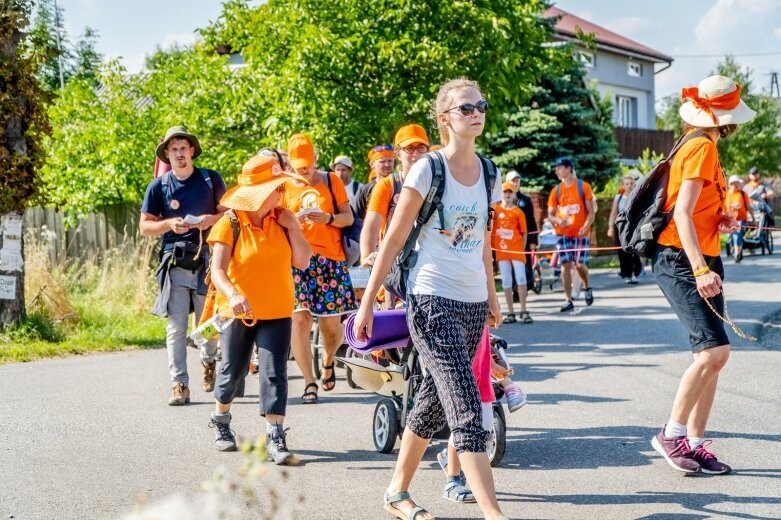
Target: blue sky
point(131, 29)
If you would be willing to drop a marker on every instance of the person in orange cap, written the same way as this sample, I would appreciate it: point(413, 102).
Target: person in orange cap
point(411, 143)
point(381, 160)
point(262, 238)
point(323, 288)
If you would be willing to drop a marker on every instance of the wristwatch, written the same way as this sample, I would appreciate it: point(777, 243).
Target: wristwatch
point(332, 218)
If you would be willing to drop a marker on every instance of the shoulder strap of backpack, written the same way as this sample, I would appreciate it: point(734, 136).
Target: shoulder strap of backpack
point(685, 139)
point(165, 186)
point(397, 186)
point(331, 191)
point(490, 173)
point(432, 203)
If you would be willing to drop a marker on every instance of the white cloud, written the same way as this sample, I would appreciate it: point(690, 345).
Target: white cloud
point(631, 26)
point(733, 21)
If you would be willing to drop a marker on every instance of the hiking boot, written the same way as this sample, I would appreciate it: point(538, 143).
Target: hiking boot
point(208, 375)
point(180, 395)
point(276, 446)
point(516, 398)
point(677, 452)
point(708, 463)
point(589, 296)
point(567, 306)
point(224, 438)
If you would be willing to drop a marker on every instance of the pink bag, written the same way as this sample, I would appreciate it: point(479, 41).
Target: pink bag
point(481, 366)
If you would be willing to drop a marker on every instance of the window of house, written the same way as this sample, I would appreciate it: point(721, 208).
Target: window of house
point(634, 69)
point(587, 59)
point(626, 112)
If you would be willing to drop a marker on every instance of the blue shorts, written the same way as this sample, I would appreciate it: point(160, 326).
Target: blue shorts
point(579, 257)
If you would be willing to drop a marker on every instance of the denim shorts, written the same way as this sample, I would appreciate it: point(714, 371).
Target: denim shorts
point(673, 273)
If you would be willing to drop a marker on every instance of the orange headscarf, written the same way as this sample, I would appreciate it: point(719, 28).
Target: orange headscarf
point(724, 102)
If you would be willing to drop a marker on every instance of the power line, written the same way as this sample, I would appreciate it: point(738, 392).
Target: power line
point(746, 55)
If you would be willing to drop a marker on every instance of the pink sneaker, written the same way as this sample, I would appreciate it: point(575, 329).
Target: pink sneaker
point(677, 452)
point(708, 462)
point(516, 398)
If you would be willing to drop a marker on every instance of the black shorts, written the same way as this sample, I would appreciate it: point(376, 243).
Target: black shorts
point(673, 273)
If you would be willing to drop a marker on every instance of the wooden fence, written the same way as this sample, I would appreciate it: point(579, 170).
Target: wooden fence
point(113, 226)
point(632, 141)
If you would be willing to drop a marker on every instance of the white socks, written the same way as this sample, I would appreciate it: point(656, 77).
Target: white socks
point(695, 442)
point(674, 429)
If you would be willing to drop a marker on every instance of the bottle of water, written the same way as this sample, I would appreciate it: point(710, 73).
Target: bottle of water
point(210, 329)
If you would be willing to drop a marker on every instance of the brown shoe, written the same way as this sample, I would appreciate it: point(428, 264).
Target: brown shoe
point(208, 375)
point(180, 395)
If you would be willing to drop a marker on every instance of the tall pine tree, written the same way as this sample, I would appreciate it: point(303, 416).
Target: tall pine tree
point(563, 118)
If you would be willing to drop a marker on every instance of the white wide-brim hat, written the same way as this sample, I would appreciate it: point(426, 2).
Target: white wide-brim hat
point(734, 178)
point(712, 92)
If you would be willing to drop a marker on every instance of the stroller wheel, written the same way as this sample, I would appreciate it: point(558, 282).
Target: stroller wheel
point(537, 277)
point(497, 439)
point(385, 425)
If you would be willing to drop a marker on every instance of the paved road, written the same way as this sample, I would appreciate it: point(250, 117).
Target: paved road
point(85, 437)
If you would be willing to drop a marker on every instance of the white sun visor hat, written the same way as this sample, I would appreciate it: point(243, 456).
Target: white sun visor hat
point(714, 102)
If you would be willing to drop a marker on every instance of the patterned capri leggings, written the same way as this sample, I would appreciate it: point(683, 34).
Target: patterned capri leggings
point(446, 333)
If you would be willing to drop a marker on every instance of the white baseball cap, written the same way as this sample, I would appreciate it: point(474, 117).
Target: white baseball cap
point(512, 175)
point(342, 159)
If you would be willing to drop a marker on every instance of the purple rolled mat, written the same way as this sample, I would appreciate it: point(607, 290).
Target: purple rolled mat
point(389, 331)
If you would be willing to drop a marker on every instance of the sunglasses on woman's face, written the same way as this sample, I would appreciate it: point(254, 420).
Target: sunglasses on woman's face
point(467, 109)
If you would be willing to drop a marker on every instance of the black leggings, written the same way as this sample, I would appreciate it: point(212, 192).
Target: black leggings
point(237, 342)
point(631, 264)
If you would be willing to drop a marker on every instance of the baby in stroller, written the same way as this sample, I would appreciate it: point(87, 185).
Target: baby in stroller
point(492, 372)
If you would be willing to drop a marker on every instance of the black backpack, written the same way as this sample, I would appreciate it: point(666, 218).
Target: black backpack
point(644, 218)
point(396, 281)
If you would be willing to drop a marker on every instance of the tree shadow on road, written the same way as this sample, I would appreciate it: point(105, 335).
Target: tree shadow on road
point(697, 502)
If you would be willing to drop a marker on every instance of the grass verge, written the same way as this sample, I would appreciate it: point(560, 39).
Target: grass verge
point(95, 305)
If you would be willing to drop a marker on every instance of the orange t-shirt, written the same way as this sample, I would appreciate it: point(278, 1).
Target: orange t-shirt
point(380, 200)
point(325, 240)
point(507, 232)
point(698, 159)
point(570, 207)
point(737, 204)
point(260, 267)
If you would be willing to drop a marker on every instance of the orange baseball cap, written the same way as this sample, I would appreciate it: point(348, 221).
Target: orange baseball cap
point(410, 134)
point(300, 151)
point(508, 186)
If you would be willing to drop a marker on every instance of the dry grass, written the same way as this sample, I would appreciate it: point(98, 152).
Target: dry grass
point(99, 304)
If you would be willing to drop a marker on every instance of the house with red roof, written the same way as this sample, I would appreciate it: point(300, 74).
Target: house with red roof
point(623, 70)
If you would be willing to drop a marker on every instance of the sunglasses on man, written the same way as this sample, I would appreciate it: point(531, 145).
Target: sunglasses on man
point(383, 148)
point(467, 109)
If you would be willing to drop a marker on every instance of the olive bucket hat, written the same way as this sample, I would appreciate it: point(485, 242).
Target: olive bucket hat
point(182, 133)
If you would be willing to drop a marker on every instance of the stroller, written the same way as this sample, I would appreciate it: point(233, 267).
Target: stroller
point(394, 371)
point(545, 269)
point(757, 236)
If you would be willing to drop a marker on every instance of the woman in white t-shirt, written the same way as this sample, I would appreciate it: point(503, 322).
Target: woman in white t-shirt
point(450, 295)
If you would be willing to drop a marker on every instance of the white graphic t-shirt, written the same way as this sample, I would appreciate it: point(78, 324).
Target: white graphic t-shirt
point(450, 260)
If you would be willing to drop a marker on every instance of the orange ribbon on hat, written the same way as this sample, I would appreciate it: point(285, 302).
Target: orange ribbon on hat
point(724, 102)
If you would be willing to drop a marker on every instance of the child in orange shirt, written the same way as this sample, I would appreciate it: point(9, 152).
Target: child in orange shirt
point(737, 206)
point(508, 240)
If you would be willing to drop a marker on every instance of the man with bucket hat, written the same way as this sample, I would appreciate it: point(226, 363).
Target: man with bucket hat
point(181, 206)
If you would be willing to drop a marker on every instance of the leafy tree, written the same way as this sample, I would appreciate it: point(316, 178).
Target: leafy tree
point(564, 118)
point(351, 73)
point(757, 143)
point(86, 58)
point(46, 26)
point(102, 147)
point(22, 123)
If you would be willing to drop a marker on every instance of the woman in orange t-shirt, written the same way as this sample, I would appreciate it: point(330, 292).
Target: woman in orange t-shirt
point(323, 288)
point(688, 268)
point(508, 236)
point(738, 207)
point(269, 242)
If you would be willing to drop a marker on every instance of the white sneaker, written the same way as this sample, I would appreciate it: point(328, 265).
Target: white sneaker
point(633, 280)
point(516, 398)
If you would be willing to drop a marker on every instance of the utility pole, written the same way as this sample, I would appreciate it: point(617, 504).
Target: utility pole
point(59, 47)
point(774, 84)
